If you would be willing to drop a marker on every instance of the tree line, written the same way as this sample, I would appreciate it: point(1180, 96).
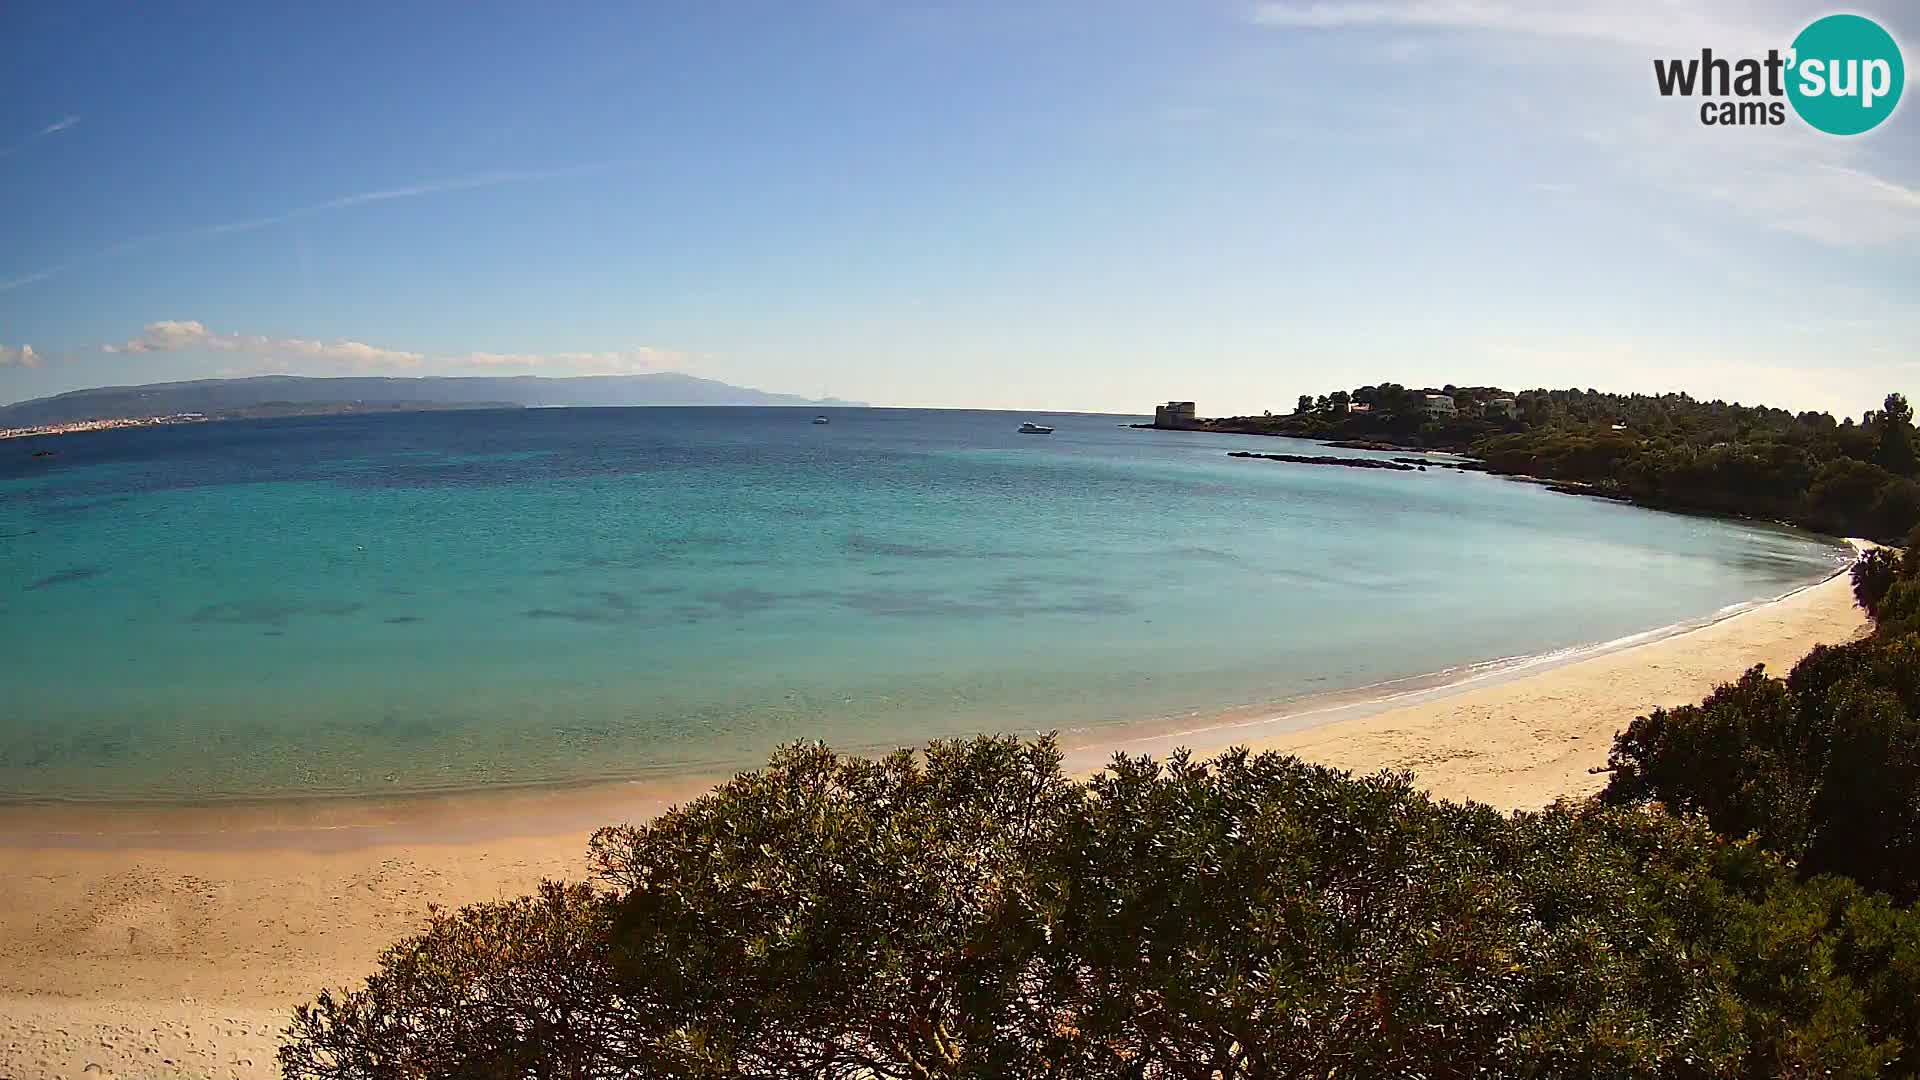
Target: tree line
point(1738, 902)
point(1668, 450)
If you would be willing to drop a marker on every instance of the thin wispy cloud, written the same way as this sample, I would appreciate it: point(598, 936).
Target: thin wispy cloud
point(1872, 186)
point(54, 128)
point(1641, 23)
point(622, 362)
point(28, 279)
point(412, 191)
point(470, 182)
point(179, 335)
point(281, 354)
point(1786, 180)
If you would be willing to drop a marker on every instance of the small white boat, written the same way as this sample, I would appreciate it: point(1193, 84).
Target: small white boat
point(1031, 428)
point(821, 420)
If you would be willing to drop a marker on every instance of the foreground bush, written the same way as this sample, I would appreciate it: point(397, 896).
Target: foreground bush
point(1822, 767)
point(521, 988)
point(1874, 575)
point(971, 912)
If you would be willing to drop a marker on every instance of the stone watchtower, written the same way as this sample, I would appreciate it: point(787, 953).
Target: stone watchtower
point(1174, 414)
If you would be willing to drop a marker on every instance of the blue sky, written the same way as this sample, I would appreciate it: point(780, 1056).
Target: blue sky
point(1046, 205)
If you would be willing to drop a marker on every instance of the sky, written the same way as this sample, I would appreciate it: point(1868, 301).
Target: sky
point(1036, 205)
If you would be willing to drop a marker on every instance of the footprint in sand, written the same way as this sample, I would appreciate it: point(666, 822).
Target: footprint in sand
point(142, 913)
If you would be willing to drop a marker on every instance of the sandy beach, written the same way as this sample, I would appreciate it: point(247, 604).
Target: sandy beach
point(174, 942)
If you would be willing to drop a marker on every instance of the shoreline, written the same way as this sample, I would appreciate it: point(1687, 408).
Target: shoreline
point(154, 954)
point(1264, 727)
point(1525, 742)
point(1464, 461)
point(331, 822)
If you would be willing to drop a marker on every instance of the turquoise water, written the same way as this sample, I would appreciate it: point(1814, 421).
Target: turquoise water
point(438, 601)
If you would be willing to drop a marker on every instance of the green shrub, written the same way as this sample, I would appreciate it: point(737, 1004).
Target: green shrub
point(1822, 767)
point(971, 912)
point(834, 914)
point(1744, 758)
point(1873, 575)
point(522, 988)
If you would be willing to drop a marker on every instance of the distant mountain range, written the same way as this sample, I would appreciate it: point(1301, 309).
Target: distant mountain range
point(291, 393)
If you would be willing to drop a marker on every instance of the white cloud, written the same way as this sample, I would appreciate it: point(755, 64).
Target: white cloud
point(280, 354)
point(629, 361)
point(1787, 179)
point(185, 334)
point(61, 124)
point(166, 336)
point(18, 356)
point(1632, 22)
point(1872, 187)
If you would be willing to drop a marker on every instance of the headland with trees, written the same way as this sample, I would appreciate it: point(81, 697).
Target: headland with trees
point(1842, 476)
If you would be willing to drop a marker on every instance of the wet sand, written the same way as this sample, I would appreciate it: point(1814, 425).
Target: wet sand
point(174, 942)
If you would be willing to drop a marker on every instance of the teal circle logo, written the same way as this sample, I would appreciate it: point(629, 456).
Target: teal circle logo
point(1846, 75)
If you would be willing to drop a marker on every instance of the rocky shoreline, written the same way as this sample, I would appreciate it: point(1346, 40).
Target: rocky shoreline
point(1347, 462)
point(1412, 464)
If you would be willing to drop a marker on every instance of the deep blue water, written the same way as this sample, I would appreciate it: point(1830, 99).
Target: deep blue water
point(447, 600)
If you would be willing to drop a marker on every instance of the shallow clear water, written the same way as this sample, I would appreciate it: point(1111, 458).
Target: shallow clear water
point(428, 601)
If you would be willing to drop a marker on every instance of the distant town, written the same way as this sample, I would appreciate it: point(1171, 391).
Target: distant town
point(73, 426)
point(263, 411)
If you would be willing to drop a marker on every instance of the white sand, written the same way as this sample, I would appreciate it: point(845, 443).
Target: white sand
point(174, 943)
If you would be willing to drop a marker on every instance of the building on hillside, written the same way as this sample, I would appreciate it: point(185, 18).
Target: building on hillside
point(1440, 406)
point(1502, 406)
point(1174, 414)
point(1359, 406)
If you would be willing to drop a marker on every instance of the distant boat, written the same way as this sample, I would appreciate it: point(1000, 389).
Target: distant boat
point(1031, 428)
point(821, 420)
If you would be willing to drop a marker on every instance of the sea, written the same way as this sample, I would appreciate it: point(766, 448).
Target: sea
point(430, 602)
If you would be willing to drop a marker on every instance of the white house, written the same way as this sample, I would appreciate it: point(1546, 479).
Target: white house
point(1440, 405)
point(1503, 406)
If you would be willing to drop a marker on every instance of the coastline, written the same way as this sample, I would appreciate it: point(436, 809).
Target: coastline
point(1463, 460)
point(1520, 739)
point(322, 822)
point(1268, 729)
point(75, 427)
point(145, 944)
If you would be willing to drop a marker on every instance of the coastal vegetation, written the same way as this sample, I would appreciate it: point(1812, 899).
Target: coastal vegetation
point(1822, 766)
point(1737, 903)
point(1841, 476)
